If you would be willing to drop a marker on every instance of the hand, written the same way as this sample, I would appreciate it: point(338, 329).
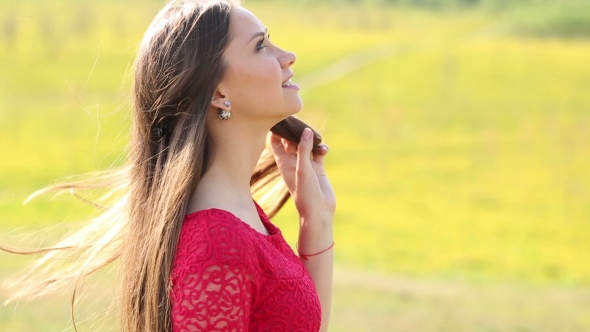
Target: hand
point(305, 177)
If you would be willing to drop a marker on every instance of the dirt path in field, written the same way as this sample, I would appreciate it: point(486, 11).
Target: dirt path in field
point(392, 303)
point(347, 65)
point(368, 56)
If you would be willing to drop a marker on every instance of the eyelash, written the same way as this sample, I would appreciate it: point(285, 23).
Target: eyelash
point(260, 45)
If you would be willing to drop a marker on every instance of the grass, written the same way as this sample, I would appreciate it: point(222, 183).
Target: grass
point(460, 162)
point(475, 170)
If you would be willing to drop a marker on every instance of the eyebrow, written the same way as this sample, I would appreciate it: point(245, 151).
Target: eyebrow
point(258, 34)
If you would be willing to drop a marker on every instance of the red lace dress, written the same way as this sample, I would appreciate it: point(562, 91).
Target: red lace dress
point(226, 276)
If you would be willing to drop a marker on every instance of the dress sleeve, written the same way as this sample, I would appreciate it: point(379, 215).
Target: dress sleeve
point(213, 280)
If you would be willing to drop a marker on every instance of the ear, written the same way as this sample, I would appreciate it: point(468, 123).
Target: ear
point(218, 99)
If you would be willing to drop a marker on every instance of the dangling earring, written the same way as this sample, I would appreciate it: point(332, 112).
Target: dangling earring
point(225, 114)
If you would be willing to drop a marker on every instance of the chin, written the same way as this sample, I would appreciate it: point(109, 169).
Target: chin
point(291, 108)
point(297, 106)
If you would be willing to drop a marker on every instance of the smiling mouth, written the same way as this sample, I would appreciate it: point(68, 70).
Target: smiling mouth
point(288, 83)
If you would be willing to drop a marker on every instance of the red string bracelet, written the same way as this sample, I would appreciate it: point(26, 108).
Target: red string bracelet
point(304, 256)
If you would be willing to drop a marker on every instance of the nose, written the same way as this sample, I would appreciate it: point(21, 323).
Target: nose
point(287, 59)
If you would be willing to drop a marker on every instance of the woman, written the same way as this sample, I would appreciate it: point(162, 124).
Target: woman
point(197, 253)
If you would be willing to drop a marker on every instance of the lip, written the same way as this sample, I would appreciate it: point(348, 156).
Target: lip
point(288, 78)
point(292, 86)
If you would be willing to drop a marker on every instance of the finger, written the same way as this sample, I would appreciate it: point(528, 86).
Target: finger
point(290, 147)
point(276, 146)
point(322, 149)
point(319, 154)
point(318, 159)
point(304, 151)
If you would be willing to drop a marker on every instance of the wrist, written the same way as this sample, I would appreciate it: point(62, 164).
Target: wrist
point(317, 222)
point(306, 257)
point(315, 238)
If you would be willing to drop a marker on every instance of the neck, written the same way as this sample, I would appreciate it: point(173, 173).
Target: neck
point(233, 158)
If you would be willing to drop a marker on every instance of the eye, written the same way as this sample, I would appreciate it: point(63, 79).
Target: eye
point(260, 45)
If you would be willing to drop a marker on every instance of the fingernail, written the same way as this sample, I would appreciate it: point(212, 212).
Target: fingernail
point(306, 134)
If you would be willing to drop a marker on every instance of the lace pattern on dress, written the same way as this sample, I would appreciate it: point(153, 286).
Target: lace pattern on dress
point(228, 277)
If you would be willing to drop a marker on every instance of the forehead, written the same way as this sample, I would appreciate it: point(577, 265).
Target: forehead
point(244, 24)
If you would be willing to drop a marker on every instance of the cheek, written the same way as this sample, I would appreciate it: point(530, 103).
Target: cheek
point(259, 75)
point(256, 85)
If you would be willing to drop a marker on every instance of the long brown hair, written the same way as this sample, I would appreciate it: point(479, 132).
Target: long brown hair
point(178, 66)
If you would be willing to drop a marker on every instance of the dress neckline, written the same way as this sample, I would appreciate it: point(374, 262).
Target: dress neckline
point(270, 228)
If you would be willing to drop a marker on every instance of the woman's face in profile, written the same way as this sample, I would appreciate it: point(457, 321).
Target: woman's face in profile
point(258, 72)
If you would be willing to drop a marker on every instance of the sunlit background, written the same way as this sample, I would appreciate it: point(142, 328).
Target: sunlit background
point(460, 150)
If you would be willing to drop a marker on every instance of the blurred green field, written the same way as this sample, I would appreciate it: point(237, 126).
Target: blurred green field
point(459, 154)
